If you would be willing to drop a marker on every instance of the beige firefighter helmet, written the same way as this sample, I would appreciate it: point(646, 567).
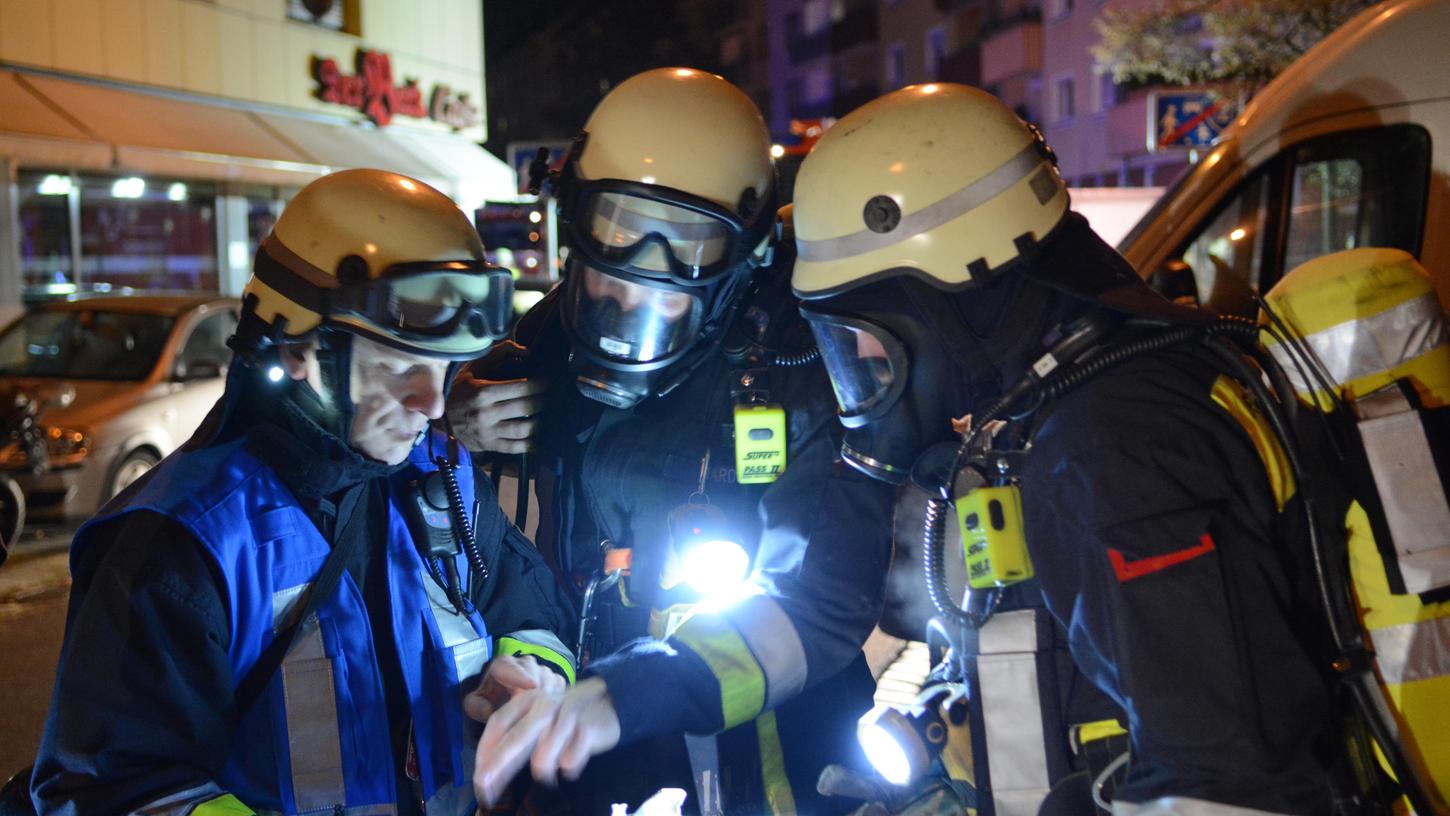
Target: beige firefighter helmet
point(681, 129)
point(938, 181)
point(380, 255)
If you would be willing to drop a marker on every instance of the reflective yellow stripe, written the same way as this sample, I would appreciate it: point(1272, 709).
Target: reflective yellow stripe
point(772, 766)
point(1423, 704)
point(510, 646)
point(225, 805)
point(742, 682)
point(1102, 729)
point(1231, 397)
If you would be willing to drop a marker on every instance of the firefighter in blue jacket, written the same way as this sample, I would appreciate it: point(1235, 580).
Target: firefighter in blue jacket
point(681, 377)
point(292, 612)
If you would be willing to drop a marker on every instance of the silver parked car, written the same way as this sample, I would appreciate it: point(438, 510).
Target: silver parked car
point(113, 384)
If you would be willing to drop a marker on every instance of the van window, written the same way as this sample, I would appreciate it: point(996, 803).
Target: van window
point(1347, 190)
point(1227, 255)
point(1359, 189)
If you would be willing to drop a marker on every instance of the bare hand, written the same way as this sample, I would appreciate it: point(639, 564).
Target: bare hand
point(496, 416)
point(555, 733)
point(506, 678)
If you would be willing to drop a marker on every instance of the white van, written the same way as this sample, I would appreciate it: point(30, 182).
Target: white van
point(1349, 147)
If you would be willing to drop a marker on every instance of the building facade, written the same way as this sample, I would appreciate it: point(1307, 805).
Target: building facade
point(827, 57)
point(150, 144)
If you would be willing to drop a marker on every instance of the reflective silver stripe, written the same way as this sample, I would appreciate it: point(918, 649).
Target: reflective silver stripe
point(1413, 651)
point(1371, 344)
point(470, 651)
point(452, 627)
point(1409, 487)
point(468, 658)
point(181, 802)
point(1179, 806)
point(705, 767)
point(287, 604)
point(774, 642)
point(929, 217)
point(1012, 712)
point(313, 738)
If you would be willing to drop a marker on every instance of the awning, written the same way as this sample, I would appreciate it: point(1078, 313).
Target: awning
point(62, 123)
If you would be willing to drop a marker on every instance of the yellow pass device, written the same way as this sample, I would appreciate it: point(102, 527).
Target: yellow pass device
point(993, 538)
point(759, 443)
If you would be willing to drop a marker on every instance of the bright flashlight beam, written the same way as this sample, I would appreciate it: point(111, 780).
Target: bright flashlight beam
point(885, 753)
point(713, 567)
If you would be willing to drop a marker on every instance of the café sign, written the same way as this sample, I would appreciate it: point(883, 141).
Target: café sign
point(372, 90)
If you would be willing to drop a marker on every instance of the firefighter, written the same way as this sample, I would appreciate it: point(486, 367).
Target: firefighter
point(687, 409)
point(291, 613)
point(944, 274)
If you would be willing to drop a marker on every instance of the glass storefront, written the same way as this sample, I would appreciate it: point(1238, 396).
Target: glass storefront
point(132, 233)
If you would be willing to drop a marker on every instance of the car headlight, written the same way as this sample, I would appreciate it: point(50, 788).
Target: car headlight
point(66, 447)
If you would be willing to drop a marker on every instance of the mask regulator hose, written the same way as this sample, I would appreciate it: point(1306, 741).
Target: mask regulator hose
point(1041, 389)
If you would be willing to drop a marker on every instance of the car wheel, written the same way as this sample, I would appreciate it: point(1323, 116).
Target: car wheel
point(131, 468)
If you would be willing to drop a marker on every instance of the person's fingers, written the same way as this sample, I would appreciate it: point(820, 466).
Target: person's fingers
point(516, 429)
point(493, 392)
point(513, 673)
point(508, 741)
point(511, 445)
point(544, 761)
point(577, 754)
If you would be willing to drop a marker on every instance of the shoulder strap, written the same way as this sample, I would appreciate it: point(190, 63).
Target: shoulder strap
point(252, 685)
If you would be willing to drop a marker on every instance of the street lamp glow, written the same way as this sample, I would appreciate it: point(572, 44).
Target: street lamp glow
point(54, 185)
point(776, 151)
point(176, 192)
point(128, 187)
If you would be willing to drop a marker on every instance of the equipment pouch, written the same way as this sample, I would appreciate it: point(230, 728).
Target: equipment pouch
point(993, 537)
point(759, 443)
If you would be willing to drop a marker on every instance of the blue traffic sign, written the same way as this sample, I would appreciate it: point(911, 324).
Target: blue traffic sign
point(1188, 117)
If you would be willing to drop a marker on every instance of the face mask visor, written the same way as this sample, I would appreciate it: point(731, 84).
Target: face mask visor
point(628, 321)
point(688, 239)
point(866, 362)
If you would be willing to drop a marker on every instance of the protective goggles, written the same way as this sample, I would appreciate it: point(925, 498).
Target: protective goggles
point(624, 224)
point(439, 308)
point(626, 320)
point(866, 362)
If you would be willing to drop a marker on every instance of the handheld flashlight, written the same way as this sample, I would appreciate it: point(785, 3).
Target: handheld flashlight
point(902, 743)
point(711, 561)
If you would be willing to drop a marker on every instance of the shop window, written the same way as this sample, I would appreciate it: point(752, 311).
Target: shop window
point(47, 258)
point(147, 234)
